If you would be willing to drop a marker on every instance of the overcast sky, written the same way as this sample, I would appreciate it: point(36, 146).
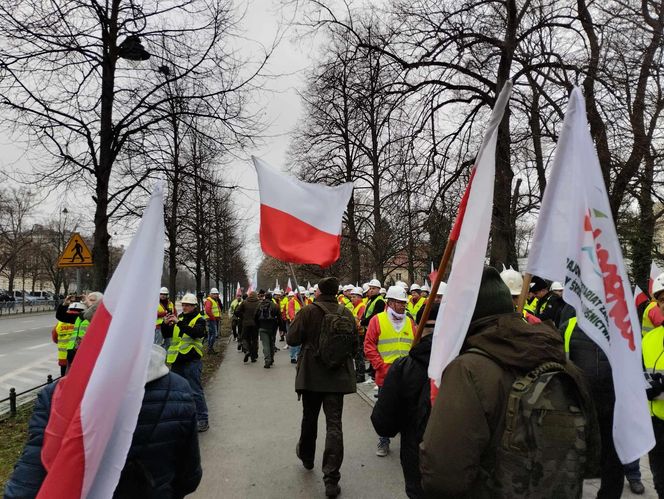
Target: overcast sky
point(264, 19)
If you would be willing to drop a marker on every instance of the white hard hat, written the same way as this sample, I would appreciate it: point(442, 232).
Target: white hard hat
point(556, 286)
point(77, 305)
point(513, 279)
point(374, 283)
point(415, 287)
point(163, 291)
point(301, 289)
point(341, 288)
point(402, 284)
point(425, 287)
point(658, 284)
point(396, 293)
point(365, 287)
point(442, 287)
point(290, 293)
point(312, 291)
point(277, 291)
point(382, 291)
point(214, 291)
point(306, 292)
point(349, 287)
point(189, 299)
point(357, 291)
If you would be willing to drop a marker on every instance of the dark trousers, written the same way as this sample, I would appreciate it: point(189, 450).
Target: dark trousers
point(191, 371)
point(359, 361)
point(234, 327)
point(250, 341)
point(611, 469)
point(656, 456)
point(333, 405)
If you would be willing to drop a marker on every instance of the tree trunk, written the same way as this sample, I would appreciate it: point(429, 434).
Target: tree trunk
point(642, 239)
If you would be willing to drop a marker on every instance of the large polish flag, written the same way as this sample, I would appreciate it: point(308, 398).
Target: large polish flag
point(575, 242)
point(95, 407)
point(300, 222)
point(472, 229)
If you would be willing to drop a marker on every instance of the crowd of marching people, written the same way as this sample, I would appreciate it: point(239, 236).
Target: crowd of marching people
point(526, 409)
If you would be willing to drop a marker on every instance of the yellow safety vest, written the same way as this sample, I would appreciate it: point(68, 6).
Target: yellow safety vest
point(646, 323)
point(64, 331)
point(356, 310)
point(394, 344)
point(183, 344)
point(370, 308)
point(571, 324)
point(283, 305)
point(161, 310)
point(215, 308)
point(80, 327)
point(413, 308)
point(532, 306)
point(653, 360)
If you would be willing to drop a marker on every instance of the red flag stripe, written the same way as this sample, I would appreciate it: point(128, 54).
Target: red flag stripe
point(63, 436)
point(289, 239)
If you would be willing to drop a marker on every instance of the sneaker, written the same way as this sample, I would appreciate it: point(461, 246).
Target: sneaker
point(293, 361)
point(332, 490)
point(246, 357)
point(203, 426)
point(267, 365)
point(383, 449)
point(253, 360)
point(308, 465)
point(636, 486)
point(239, 347)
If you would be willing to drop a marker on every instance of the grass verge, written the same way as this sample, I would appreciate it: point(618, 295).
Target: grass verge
point(14, 430)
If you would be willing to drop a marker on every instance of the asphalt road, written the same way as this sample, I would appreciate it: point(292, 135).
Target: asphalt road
point(27, 354)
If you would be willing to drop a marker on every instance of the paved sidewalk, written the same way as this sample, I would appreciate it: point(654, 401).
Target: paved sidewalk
point(249, 451)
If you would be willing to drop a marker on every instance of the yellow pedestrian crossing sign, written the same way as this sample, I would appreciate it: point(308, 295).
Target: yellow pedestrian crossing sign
point(76, 253)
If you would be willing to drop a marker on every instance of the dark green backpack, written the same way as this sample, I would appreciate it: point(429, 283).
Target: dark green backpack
point(337, 340)
point(543, 449)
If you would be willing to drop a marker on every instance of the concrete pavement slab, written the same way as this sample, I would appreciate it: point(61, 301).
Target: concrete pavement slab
point(249, 451)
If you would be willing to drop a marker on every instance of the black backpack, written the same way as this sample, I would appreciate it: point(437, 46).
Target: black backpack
point(264, 312)
point(337, 340)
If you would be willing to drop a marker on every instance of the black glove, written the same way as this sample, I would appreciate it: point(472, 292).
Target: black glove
point(656, 386)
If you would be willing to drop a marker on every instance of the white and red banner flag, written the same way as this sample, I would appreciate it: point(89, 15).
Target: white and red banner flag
point(575, 243)
point(639, 297)
point(472, 230)
point(300, 222)
point(95, 406)
point(655, 271)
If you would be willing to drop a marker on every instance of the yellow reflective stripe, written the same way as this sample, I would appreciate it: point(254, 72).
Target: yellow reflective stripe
point(384, 341)
point(568, 333)
point(215, 307)
point(184, 344)
point(388, 337)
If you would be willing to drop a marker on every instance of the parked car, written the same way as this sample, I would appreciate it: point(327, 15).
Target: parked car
point(18, 296)
point(41, 295)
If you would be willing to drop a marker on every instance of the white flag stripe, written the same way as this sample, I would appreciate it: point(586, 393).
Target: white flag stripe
point(113, 398)
point(463, 285)
point(575, 242)
point(303, 200)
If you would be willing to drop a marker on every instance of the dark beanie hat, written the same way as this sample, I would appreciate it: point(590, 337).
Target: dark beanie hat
point(494, 296)
point(538, 284)
point(328, 285)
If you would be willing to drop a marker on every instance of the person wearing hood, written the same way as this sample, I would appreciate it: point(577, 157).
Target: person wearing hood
point(404, 405)
point(163, 460)
point(467, 449)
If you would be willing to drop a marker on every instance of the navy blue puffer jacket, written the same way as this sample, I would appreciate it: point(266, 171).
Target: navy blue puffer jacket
point(171, 456)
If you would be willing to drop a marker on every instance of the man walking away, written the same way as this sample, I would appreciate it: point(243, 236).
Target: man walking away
point(325, 373)
point(246, 312)
point(267, 316)
point(186, 352)
point(405, 403)
point(234, 320)
point(512, 419)
point(212, 317)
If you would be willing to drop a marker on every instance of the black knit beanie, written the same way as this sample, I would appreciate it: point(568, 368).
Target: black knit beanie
point(494, 296)
point(328, 286)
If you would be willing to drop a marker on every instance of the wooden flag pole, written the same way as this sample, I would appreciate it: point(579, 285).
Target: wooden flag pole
point(442, 267)
point(524, 292)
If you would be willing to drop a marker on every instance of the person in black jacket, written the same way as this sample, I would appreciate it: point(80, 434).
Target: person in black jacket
point(164, 445)
point(404, 405)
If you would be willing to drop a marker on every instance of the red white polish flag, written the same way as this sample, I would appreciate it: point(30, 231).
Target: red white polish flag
point(300, 221)
point(639, 297)
point(95, 407)
point(471, 230)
